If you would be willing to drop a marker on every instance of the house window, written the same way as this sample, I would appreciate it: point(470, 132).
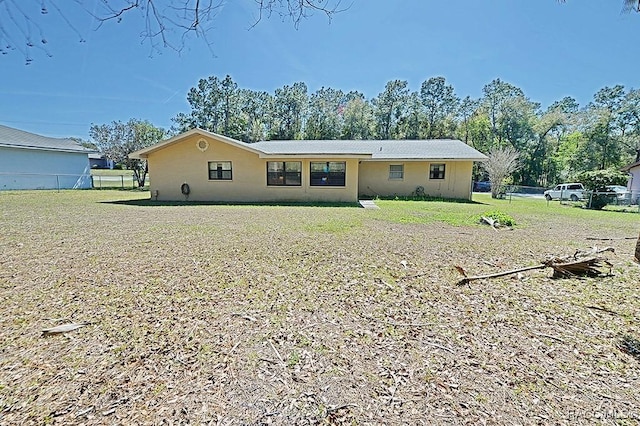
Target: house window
point(328, 173)
point(288, 173)
point(436, 171)
point(220, 170)
point(396, 171)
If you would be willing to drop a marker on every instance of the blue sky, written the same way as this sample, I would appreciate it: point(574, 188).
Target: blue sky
point(548, 49)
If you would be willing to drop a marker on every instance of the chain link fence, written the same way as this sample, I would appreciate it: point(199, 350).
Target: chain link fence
point(21, 181)
point(616, 200)
point(9, 181)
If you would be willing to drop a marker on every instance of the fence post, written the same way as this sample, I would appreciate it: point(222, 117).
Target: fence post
point(122, 181)
point(58, 182)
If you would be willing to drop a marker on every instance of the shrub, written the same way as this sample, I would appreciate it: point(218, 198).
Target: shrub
point(598, 179)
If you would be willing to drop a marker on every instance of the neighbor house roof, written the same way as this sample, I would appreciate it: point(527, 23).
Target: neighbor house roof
point(435, 149)
point(14, 138)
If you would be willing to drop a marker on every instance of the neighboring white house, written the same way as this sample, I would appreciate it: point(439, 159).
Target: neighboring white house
point(30, 161)
point(633, 185)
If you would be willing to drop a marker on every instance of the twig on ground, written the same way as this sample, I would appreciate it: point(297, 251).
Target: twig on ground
point(276, 351)
point(609, 238)
point(411, 324)
point(548, 336)
point(64, 328)
point(241, 315)
point(435, 345)
point(339, 407)
point(602, 309)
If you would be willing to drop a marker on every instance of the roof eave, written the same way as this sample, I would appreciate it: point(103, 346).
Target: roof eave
point(45, 148)
point(314, 155)
point(144, 152)
point(454, 159)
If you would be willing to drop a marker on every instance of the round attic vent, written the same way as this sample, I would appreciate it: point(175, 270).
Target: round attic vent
point(202, 145)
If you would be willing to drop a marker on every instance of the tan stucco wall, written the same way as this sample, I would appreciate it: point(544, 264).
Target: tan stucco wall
point(182, 162)
point(374, 179)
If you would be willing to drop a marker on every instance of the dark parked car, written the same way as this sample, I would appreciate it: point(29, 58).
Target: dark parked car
point(481, 186)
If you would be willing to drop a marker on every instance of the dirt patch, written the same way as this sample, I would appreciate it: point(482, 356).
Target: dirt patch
point(302, 315)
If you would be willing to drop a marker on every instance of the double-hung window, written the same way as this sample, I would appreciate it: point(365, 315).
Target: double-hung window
point(328, 173)
point(286, 173)
point(436, 171)
point(396, 172)
point(220, 170)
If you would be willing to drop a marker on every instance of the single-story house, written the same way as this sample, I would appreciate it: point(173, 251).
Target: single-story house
point(203, 166)
point(30, 161)
point(633, 184)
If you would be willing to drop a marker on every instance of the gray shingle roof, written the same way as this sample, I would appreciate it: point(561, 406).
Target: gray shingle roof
point(14, 138)
point(442, 149)
point(430, 149)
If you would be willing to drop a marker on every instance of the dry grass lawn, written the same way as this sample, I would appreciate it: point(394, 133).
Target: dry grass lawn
point(251, 315)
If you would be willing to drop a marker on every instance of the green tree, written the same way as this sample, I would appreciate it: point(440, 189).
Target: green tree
point(411, 125)
point(465, 112)
point(512, 116)
point(256, 107)
point(440, 103)
point(289, 108)
point(549, 128)
point(325, 114)
point(603, 128)
point(495, 102)
point(358, 118)
point(629, 122)
point(215, 106)
point(390, 108)
point(117, 140)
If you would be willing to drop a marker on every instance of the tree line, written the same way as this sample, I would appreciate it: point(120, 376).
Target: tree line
point(554, 144)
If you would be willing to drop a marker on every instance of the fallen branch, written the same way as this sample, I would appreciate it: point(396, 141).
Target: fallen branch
point(467, 280)
point(581, 263)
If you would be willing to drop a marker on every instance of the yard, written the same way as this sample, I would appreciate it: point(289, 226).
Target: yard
point(213, 314)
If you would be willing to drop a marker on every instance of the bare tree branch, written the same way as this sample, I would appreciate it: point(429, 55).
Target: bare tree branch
point(501, 164)
point(165, 23)
point(627, 5)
